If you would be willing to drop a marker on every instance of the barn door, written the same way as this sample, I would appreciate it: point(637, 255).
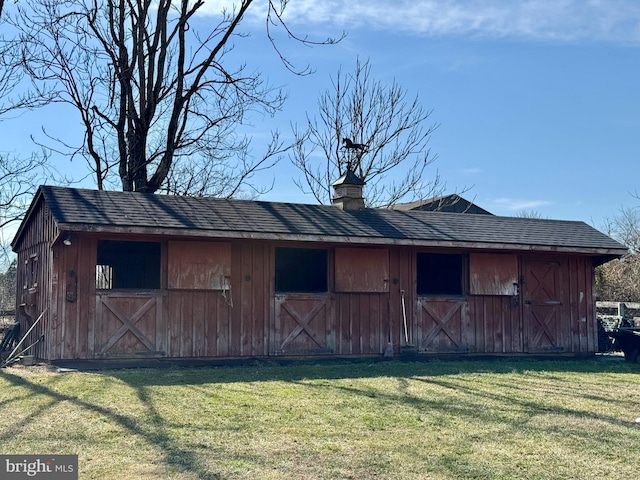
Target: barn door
point(441, 326)
point(128, 325)
point(542, 306)
point(304, 325)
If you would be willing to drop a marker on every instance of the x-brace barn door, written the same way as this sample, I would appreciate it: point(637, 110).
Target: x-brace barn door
point(543, 306)
point(303, 325)
point(128, 325)
point(441, 326)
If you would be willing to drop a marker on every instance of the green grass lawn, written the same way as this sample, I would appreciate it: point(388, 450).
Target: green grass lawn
point(494, 419)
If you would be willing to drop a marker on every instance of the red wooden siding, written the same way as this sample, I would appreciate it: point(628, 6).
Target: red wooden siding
point(304, 324)
point(129, 325)
point(198, 265)
point(443, 326)
point(217, 299)
point(198, 324)
point(559, 305)
point(34, 251)
point(224, 323)
point(496, 324)
point(402, 267)
point(543, 326)
point(76, 304)
point(554, 313)
point(580, 308)
point(362, 323)
point(493, 274)
point(361, 270)
point(362, 280)
point(253, 298)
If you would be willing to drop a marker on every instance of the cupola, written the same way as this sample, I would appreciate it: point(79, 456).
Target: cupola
point(347, 192)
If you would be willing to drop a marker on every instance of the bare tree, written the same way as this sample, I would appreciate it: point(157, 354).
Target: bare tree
point(19, 179)
point(14, 94)
point(386, 135)
point(625, 227)
point(19, 175)
point(157, 97)
point(619, 280)
point(529, 214)
point(8, 287)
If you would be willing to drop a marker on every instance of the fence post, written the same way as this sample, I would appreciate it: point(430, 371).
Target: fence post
point(621, 309)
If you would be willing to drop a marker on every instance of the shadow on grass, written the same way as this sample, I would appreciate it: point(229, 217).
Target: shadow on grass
point(153, 432)
point(456, 395)
point(269, 371)
point(506, 397)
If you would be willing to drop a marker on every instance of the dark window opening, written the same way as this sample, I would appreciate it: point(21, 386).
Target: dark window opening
point(31, 272)
point(439, 274)
point(128, 265)
point(301, 270)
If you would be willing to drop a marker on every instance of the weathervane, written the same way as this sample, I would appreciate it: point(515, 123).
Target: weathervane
point(349, 145)
point(357, 148)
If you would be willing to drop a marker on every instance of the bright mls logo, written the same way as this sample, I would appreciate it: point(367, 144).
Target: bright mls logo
point(51, 467)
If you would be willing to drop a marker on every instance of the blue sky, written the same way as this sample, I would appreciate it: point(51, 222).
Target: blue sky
point(538, 101)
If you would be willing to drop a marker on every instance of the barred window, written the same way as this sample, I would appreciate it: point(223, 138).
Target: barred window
point(128, 265)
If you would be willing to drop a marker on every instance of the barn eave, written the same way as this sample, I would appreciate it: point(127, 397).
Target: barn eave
point(605, 253)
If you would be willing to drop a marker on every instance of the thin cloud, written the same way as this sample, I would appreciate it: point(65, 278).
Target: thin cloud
point(564, 21)
point(518, 204)
point(466, 171)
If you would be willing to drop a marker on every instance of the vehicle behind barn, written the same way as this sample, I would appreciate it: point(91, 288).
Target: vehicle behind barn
point(628, 341)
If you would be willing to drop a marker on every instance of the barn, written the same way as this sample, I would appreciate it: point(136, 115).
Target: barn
point(446, 203)
point(123, 275)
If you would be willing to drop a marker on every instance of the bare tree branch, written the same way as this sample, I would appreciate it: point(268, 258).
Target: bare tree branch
point(149, 88)
point(19, 179)
point(619, 280)
point(391, 128)
point(274, 20)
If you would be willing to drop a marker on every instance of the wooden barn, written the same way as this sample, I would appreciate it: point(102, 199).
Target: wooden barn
point(129, 275)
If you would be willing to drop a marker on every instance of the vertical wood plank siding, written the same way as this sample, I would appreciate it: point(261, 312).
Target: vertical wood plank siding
point(402, 280)
point(362, 323)
point(252, 290)
point(250, 319)
point(203, 323)
point(31, 302)
point(496, 324)
point(199, 324)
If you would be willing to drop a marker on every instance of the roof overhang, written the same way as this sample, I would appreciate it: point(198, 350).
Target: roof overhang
point(602, 253)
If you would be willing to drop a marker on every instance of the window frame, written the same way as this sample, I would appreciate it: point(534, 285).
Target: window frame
point(32, 273)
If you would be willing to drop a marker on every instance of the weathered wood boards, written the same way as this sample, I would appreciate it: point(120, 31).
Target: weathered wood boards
point(199, 296)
